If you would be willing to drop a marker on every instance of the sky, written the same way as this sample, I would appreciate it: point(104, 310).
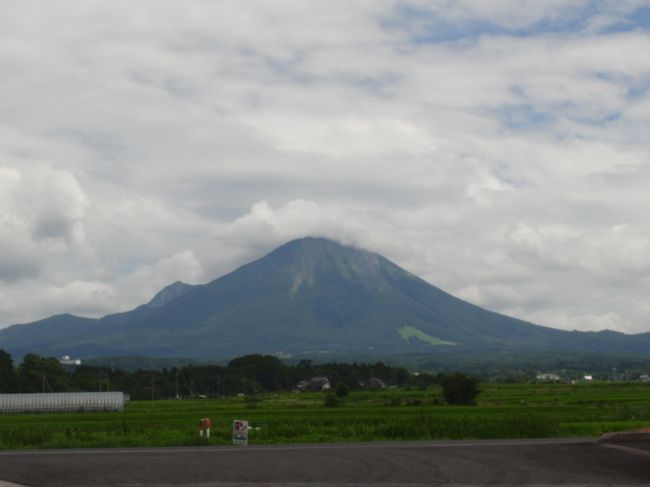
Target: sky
point(498, 149)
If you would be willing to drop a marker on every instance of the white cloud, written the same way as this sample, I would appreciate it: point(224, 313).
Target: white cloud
point(263, 228)
point(82, 297)
point(348, 136)
point(145, 281)
point(508, 163)
point(41, 217)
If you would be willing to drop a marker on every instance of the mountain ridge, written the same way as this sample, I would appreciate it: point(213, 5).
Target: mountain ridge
point(308, 295)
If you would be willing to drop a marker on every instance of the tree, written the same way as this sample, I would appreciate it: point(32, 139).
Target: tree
point(331, 401)
point(7, 373)
point(41, 374)
point(266, 370)
point(459, 388)
point(342, 391)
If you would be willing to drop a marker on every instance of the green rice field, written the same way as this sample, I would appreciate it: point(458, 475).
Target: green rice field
point(502, 411)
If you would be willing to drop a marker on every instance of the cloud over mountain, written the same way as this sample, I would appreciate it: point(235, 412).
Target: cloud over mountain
point(497, 148)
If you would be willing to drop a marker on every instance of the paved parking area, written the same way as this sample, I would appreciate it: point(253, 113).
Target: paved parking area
point(515, 462)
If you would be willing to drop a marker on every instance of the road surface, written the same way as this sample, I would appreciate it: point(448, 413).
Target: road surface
point(503, 462)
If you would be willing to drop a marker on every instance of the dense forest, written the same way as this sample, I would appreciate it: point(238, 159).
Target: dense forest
point(248, 374)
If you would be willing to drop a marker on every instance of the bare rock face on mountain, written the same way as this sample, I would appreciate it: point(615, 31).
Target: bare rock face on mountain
point(309, 295)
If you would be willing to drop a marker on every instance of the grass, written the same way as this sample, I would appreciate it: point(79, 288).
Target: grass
point(503, 411)
point(408, 332)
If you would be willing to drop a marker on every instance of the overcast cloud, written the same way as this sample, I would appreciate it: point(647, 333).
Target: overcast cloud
point(499, 149)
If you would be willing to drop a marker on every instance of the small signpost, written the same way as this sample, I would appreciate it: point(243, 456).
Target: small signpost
point(240, 432)
point(204, 425)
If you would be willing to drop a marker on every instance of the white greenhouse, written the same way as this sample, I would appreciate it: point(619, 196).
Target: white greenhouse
point(55, 402)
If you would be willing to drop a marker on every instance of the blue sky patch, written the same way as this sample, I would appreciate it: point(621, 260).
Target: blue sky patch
point(639, 20)
point(523, 116)
point(427, 27)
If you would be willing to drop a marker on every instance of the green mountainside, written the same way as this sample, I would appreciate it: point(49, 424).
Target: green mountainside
point(310, 295)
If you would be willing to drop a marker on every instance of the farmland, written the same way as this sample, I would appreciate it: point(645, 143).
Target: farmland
point(502, 411)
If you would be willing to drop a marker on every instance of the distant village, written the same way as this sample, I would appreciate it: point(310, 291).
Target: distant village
point(573, 379)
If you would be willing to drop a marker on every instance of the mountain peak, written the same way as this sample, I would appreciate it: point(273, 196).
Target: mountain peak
point(168, 294)
point(312, 243)
point(312, 259)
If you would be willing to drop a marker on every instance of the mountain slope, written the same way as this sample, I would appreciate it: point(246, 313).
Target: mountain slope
point(308, 295)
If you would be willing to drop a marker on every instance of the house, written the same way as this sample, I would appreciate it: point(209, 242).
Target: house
point(547, 378)
point(319, 384)
point(373, 383)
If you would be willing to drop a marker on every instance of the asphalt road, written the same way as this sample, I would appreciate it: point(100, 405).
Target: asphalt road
point(517, 462)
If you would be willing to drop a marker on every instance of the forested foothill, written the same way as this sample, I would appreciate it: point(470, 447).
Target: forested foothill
point(146, 379)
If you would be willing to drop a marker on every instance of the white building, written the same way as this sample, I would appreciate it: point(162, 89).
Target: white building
point(66, 360)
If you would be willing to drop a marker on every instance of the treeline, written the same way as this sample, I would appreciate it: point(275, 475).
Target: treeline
point(248, 374)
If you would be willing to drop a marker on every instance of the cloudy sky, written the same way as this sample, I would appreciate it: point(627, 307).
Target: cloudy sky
point(499, 149)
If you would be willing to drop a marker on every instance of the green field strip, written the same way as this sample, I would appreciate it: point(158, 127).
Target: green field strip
point(503, 411)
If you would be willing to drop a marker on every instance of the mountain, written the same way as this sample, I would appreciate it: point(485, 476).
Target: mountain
point(310, 295)
point(168, 294)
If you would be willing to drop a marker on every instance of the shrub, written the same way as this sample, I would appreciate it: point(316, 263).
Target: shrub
point(331, 401)
point(342, 391)
point(459, 388)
